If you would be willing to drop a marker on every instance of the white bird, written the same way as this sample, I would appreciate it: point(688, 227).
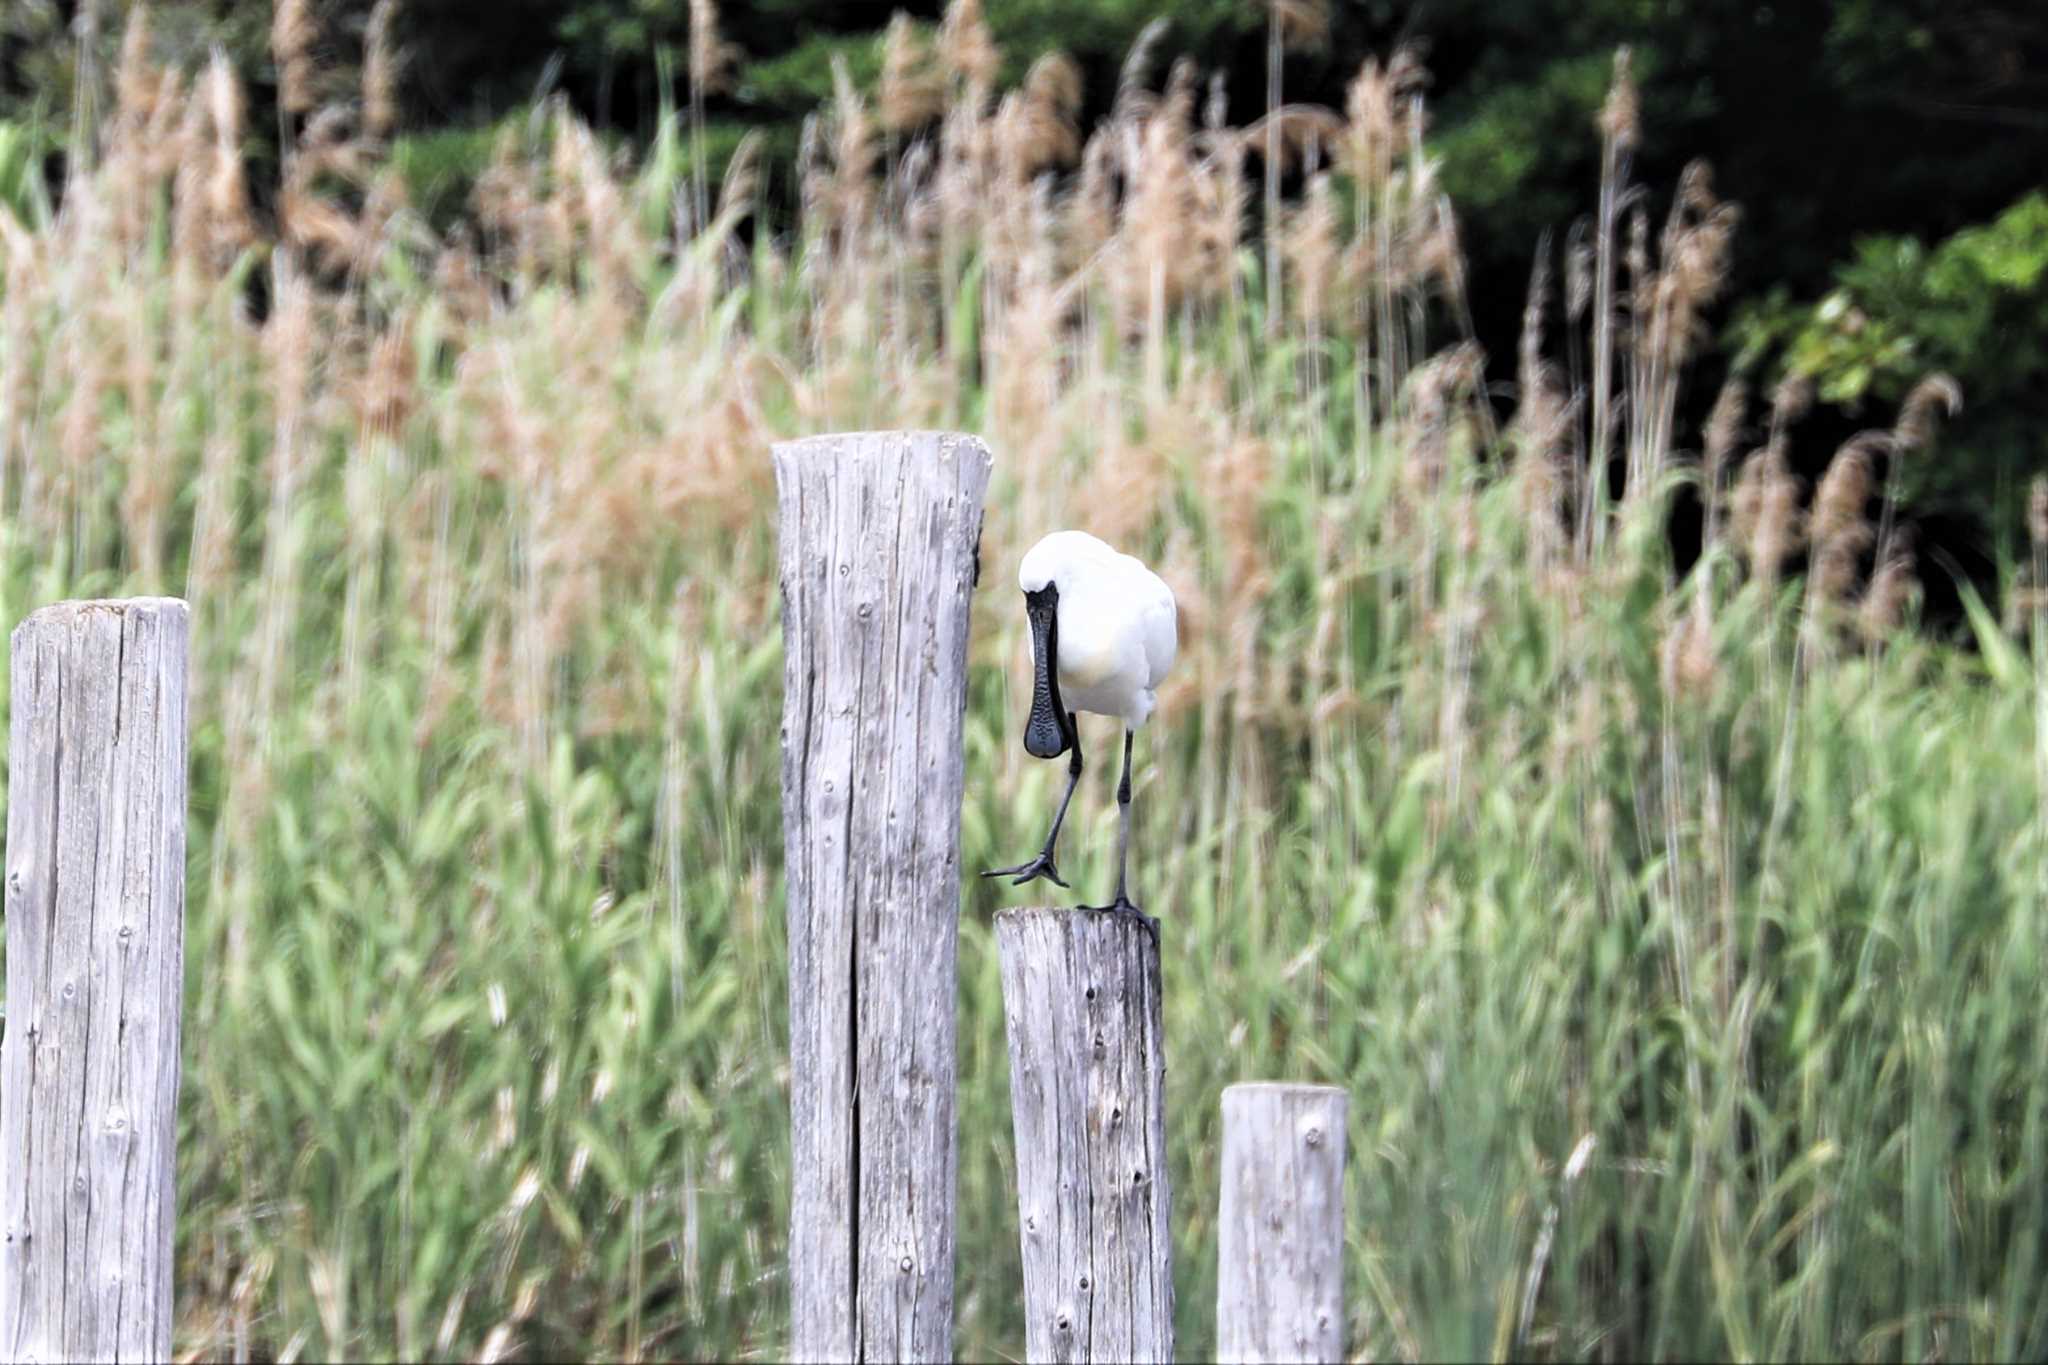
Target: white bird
point(1103, 635)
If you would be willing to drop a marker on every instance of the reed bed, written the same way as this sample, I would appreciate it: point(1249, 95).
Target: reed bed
point(1678, 937)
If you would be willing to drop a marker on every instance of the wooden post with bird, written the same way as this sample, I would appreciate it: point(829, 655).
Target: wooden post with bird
point(1087, 1093)
point(1280, 1224)
point(1081, 987)
point(879, 537)
point(95, 906)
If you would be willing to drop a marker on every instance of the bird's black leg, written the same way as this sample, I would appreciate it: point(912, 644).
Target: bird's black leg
point(1122, 904)
point(1043, 865)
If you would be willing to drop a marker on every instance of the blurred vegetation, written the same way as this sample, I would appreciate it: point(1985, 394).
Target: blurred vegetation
point(1907, 119)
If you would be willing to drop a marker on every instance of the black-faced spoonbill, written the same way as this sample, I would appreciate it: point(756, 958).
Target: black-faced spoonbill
point(1103, 634)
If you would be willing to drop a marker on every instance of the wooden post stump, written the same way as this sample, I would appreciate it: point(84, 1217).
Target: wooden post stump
point(879, 536)
point(1087, 1087)
point(1280, 1230)
point(95, 980)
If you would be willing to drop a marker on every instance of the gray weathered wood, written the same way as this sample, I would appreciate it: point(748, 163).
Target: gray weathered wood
point(1087, 1089)
point(95, 980)
point(879, 534)
point(1280, 1228)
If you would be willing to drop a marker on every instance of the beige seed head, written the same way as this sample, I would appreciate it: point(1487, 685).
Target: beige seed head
point(1838, 504)
point(1890, 594)
point(912, 90)
point(1724, 423)
point(380, 72)
point(1687, 663)
point(1303, 25)
point(713, 60)
point(967, 49)
point(1915, 429)
point(1790, 400)
point(135, 77)
point(292, 32)
point(1620, 115)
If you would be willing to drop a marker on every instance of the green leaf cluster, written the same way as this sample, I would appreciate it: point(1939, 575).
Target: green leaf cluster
point(1974, 304)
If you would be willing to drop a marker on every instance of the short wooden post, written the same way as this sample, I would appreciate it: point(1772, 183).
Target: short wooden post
point(95, 980)
point(1087, 1089)
point(1280, 1231)
point(879, 534)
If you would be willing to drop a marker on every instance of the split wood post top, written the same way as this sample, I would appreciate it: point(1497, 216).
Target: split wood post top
point(878, 545)
point(1280, 1225)
point(95, 980)
point(1087, 1087)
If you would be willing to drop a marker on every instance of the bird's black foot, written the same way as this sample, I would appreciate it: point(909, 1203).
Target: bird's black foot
point(1041, 866)
point(1122, 905)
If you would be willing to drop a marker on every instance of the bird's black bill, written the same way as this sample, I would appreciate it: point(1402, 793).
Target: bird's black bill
point(1045, 734)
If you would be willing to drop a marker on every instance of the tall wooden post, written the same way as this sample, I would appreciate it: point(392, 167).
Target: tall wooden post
point(879, 537)
point(1087, 1087)
point(1280, 1230)
point(95, 980)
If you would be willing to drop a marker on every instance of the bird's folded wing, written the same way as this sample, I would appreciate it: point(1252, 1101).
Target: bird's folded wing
point(1161, 630)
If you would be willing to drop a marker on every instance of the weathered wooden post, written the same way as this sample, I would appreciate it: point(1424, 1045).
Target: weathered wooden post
point(95, 980)
point(1087, 1088)
point(1280, 1230)
point(879, 537)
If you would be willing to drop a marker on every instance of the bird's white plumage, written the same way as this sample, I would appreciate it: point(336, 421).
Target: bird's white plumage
point(1118, 627)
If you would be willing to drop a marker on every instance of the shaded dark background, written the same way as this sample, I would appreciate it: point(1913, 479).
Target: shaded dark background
point(1861, 128)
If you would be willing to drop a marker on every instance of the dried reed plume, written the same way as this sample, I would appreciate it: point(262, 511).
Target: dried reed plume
point(1300, 24)
point(1723, 430)
point(1912, 433)
point(967, 50)
point(1840, 529)
point(1621, 114)
point(2033, 602)
point(1765, 517)
point(1156, 237)
point(380, 72)
point(1133, 79)
point(713, 60)
point(1378, 107)
point(227, 190)
point(292, 32)
point(1889, 598)
point(135, 77)
point(1692, 268)
point(712, 63)
point(1688, 664)
point(1617, 123)
point(1035, 128)
point(1290, 25)
point(1538, 427)
point(1914, 430)
point(912, 90)
point(851, 187)
point(1790, 400)
point(1311, 249)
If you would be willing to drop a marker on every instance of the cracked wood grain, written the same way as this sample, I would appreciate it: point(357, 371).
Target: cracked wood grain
point(1087, 1092)
point(95, 898)
point(1280, 1225)
point(877, 547)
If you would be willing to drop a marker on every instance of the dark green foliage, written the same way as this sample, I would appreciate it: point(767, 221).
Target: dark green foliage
point(441, 168)
point(22, 147)
point(1975, 306)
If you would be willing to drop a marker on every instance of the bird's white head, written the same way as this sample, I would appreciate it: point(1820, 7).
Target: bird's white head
point(1049, 731)
point(1057, 556)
